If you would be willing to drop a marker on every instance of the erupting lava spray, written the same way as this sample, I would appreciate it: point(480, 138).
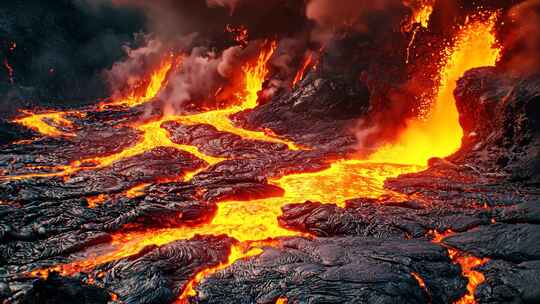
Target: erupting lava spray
point(440, 134)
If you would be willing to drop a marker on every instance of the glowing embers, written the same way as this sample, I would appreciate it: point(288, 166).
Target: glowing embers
point(47, 124)
point(440, 134)
point(146, 90)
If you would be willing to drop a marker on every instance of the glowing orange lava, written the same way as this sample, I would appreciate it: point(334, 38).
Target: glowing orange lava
point(143, 93)
point(46, 123)
point(419, 279)
point(422, 13)
point(256, 220)
point(254, 76)
point(440, 134)
point(94, 201)
point(136, 191)
point(300, 74)
point(238, 252)
point(282, 301)
point(475, 278)
point(468, 264)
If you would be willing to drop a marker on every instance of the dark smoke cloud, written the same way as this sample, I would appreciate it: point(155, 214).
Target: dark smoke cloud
point(521, 38)
point(354, 15)
point(62, 47)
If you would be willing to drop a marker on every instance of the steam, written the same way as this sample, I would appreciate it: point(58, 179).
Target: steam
point(522, 41)
point(348, 15)
point(206, 77)
point(135, 67)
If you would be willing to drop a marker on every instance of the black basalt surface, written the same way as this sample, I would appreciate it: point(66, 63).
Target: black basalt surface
point(370, 251)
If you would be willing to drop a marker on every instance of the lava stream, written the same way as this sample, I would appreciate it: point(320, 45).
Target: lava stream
point(255, 220)
point(467, 263)
point(45, 123)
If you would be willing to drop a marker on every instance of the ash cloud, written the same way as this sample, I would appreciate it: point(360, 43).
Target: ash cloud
point(348, 15)
point(61, 48)
point(521, 39)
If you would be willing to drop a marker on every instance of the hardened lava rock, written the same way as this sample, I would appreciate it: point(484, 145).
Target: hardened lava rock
point(338, 270)
point(159, 275)
point(500, 116)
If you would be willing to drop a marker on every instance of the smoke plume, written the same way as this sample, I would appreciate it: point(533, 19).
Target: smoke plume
point(521, 39)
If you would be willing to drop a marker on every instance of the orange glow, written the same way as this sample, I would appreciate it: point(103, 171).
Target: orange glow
point(254, 77)
point(419, 279)
point(282, 301)
point(136, 191)
point(240, 34)
point(257, 219)
point(422, 15)
point(46, 123)
point(440, 134)
point(438, 236)
point(249, 221)
point(238, 251)
point(143, 93)
point(94, 201)
point(300, 74)
point(468, 263)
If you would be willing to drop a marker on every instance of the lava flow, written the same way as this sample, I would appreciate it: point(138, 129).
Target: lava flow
point(251, 221)
point(475, 278)
point(46, 123)
point(468, 263)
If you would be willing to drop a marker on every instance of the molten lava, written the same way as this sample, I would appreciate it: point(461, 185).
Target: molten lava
point(146, 91)
point(254, 76)
point(468, 264)
point(419, 279)
point(475, 278)
point(255, 222)
point(238, 252)
point(300, 74)
point(46, 123)
point(440, 134)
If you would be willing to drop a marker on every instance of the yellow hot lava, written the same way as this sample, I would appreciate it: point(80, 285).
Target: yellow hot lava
point(46, 123)
point(157, 80)
point(468, 263)
point(440, 134)
point(475, 278)
point(254, 76)
point(422, 12)
point(249, 221)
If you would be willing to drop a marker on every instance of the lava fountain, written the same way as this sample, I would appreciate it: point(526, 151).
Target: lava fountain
point(440, 134)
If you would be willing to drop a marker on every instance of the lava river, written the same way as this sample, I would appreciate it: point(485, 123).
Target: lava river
point(254, 223)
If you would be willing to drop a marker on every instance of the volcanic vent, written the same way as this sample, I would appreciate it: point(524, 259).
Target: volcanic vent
point(285, 152)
